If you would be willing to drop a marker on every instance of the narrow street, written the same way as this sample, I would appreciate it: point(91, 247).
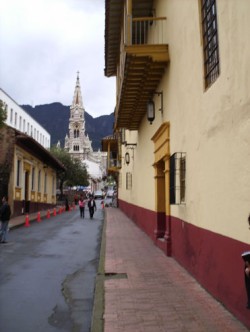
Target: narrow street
point(48, 273)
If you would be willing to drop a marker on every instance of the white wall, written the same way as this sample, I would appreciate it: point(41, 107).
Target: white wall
point(17, 118)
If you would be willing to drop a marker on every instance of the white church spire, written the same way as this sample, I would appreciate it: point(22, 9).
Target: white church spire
point(77, 99)
point(77, 141)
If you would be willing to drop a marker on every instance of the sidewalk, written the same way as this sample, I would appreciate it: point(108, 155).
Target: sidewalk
point(146, 291)
point(20, 220)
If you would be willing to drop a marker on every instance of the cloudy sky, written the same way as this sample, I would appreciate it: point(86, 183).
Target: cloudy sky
point(43, 43)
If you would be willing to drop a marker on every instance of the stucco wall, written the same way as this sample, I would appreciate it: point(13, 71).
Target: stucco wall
point(212, 127)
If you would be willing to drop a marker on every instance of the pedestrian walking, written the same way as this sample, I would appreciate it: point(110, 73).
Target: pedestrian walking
point(81, 204)
point(246, 258)
point(5, 213)
point(91, 206)
point(66, 204)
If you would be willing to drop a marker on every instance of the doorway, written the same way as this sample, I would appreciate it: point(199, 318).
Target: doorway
point(161, 166)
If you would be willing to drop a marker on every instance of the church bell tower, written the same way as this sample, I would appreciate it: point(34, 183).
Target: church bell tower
point(77, 142)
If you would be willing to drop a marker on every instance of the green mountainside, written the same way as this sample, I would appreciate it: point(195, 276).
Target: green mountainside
point(55, 119)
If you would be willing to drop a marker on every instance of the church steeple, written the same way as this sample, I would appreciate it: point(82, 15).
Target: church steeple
point(77, 99)
point(77, 142)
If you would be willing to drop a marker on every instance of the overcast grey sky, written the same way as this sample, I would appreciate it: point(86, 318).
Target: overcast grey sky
point(43, 43)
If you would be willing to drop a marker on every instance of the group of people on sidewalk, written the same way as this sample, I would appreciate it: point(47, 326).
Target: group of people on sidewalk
point(91, 205)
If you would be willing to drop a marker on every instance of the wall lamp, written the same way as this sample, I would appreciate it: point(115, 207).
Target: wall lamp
point(151, 107)
point(127, 155)
point(127, 158)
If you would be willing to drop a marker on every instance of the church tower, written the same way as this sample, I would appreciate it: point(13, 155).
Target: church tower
point(77, 142)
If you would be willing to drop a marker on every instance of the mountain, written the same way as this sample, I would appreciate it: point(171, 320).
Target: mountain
point(55, 119)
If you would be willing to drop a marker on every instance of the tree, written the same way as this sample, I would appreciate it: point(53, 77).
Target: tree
point(75, 173)
point(79, 174)
point(3, 114)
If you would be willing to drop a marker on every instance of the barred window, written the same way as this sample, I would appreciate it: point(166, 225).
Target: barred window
point(39, 181)
point(18, 173)
point(45, 183)
point(33, 179)
point(210, 41)
point(178, 178)
point(128, 181)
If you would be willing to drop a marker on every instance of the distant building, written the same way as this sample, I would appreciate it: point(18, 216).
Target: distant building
point(77, 142)
point(17, 118)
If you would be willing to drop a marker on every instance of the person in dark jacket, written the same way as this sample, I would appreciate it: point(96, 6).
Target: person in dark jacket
point(5, 213)
point(91, 206)
point(246, 258)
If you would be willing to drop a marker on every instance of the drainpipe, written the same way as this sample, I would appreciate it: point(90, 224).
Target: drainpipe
point(167, 235)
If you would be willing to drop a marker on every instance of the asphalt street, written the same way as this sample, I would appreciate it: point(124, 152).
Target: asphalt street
point(47, 274)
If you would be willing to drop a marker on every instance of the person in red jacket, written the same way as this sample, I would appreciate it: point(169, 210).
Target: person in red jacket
point(81, 204)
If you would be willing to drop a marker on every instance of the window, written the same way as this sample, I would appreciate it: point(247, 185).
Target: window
point(20, 123)
point(76, 148)
point(128, 180)
point(39, 181)
point(210, 41)
point(177, 178)
point(53, 185)
point(15, 123)
point(33, 179)
point(76, 133)
point(11, 115)
point(45, 183)
point(18, 173)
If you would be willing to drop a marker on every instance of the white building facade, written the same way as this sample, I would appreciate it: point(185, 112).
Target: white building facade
point(18, 119)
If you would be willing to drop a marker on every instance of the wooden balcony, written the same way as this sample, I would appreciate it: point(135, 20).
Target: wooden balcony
point(110, 144)
point(144, 57)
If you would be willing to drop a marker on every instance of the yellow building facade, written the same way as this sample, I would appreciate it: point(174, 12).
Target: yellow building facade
point(185, 178)
point(30, 178)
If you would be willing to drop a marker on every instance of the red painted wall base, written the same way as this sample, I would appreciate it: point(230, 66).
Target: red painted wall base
point(214, 260)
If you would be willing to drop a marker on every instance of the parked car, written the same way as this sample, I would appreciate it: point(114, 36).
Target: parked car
point(98, 194)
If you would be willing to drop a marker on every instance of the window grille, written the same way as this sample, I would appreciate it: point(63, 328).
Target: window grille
point(210, 41)
point(128, 181)
point(178, 178)
point(33, 179)
point(18, 173)
point(39, 181)
point(45, 183)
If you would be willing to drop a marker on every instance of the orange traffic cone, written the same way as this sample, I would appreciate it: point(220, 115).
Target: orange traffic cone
point(48, 214)
point(54, 212)
point(27, 221)
point(38, 217)
point(60, 210)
